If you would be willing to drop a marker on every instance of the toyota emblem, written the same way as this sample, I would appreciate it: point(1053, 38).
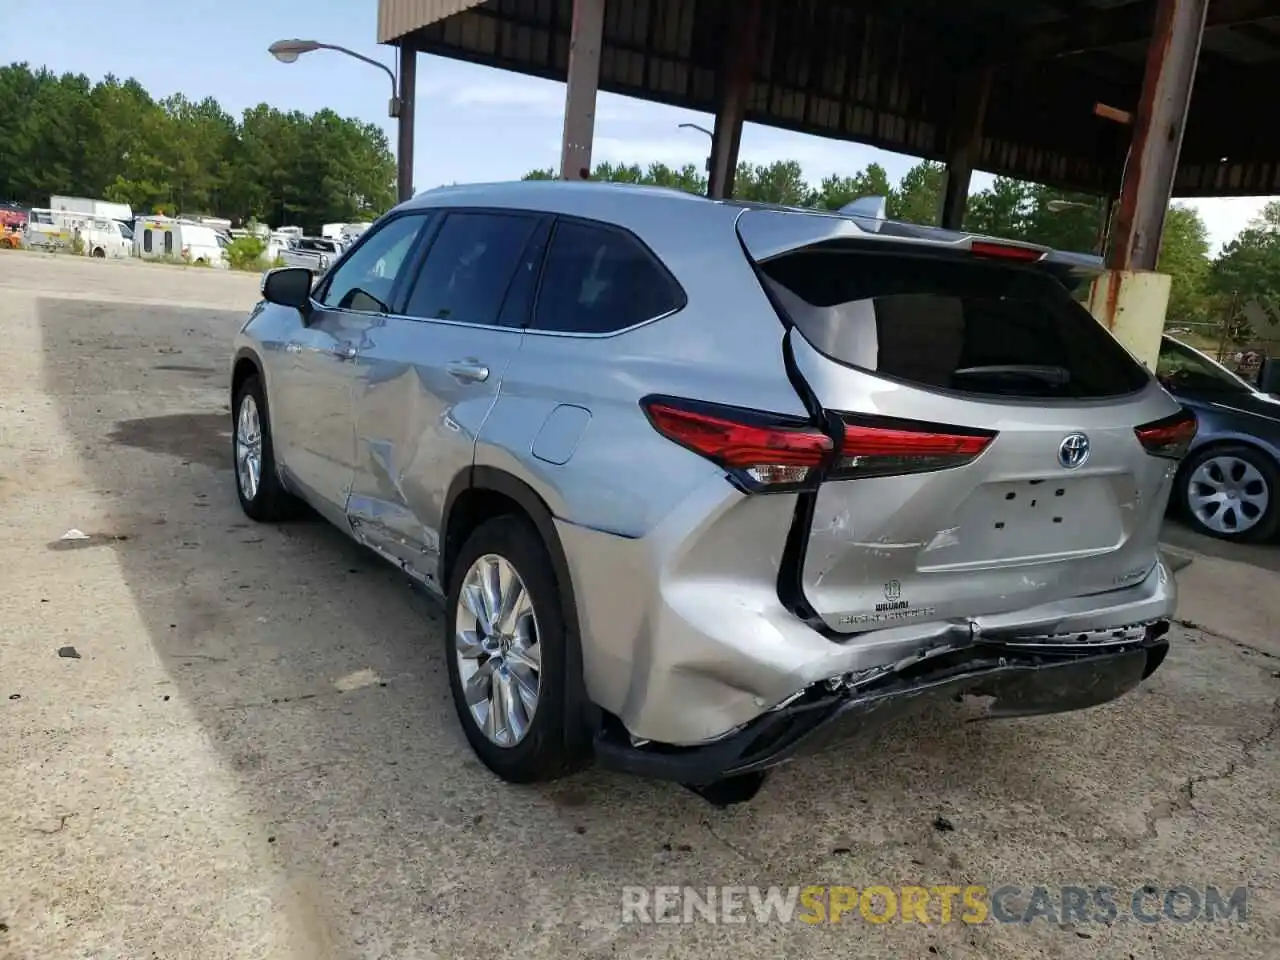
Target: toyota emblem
point(1073, 451)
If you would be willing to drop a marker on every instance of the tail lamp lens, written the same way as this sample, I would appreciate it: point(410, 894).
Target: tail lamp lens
point(878, 447)
point(1170, 437)
point(763, 451)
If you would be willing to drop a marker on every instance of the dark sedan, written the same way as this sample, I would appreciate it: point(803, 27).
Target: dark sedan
point(1228, 485)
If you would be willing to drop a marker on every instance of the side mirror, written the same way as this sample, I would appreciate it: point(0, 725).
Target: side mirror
point(289, 287)
point(1269, 376)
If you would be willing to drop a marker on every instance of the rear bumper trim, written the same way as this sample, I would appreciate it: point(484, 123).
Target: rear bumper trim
point(1022, 679)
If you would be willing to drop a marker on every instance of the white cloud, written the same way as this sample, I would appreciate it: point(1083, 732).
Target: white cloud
point(1226, 216)
point(541, 98)
point(674, 152)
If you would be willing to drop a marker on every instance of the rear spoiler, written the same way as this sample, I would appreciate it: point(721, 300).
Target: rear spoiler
point(768, 232)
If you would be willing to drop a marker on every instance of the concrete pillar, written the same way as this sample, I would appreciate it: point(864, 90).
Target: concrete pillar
point(733, 86)
point(408, 95)
point(585, 41)
point(1131, 299)
point(964, 143)
point(1132, 304)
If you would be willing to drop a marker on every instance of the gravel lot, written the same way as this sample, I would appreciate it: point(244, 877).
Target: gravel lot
point(254, 754)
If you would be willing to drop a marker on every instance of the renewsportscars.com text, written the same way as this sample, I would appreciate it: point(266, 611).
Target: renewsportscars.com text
point(942, 904)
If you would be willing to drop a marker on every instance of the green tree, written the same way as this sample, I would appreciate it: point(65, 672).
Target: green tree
point(112, 140)
point(918, 198)
point(779, 182)
point(836, 191)
point(1248, 269)
point(1184, 256)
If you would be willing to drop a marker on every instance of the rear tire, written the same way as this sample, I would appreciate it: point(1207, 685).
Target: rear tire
point(1230, 492)
point(521, 726)
point(99, 253)
point(262, 496)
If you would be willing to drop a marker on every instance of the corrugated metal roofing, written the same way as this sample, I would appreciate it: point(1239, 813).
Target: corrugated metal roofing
point(396, 18)
point(886, 74)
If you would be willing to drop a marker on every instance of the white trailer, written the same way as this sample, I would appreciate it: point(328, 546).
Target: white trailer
point(87, 206)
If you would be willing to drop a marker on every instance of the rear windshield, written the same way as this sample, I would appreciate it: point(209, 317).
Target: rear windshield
point(951, 323)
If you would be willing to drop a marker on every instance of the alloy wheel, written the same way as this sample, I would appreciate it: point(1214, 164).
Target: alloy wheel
point(496, 644)
point(248, 447)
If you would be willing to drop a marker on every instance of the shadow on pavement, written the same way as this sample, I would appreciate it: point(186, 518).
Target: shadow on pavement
point(319, 675)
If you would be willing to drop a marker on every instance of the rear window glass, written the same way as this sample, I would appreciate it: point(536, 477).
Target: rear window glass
point(952, 323)
point(598, 279)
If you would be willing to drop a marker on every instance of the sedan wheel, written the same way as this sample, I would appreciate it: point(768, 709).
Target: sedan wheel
point(1230, 493)
point(496, 644)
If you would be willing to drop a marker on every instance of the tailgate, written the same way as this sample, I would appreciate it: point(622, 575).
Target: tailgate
point(990, 457)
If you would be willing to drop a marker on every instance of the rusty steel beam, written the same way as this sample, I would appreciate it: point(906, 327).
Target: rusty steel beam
point(404, 131)
point(964, 144)
point(1124, 24)
point(586, 39)
point(1158, 125)
point(734, 87)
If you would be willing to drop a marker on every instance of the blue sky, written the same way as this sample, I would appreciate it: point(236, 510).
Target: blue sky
point(473, 123)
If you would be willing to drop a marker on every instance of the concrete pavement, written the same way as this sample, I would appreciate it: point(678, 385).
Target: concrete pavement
point(255, 755)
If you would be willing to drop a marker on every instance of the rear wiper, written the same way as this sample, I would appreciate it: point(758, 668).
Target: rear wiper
point(1055, 376)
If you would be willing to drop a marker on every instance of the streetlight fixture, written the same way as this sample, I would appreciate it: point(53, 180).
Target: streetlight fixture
point(1057, 206)
point(712, 137)
point(1104, 227)
point(288, 51)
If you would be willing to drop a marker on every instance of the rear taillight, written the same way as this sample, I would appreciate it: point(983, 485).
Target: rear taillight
point(761, 451)
point(1170, 437)
point(881, 447)
point(1004, 251)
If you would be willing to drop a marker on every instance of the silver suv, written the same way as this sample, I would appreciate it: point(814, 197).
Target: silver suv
point(702, 483)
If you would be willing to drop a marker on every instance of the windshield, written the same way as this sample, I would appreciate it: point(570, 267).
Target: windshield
point(1184, 369)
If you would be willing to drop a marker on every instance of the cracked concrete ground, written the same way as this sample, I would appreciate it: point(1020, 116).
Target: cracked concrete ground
point(255, 755)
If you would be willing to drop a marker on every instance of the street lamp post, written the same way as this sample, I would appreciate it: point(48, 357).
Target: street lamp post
point(712, 137)
point(399, 108)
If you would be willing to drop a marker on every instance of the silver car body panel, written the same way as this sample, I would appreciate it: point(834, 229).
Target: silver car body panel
point(675, 571)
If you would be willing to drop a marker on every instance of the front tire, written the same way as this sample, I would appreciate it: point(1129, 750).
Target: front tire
point(1230, 492)
point(262, 496)
point(507, 646)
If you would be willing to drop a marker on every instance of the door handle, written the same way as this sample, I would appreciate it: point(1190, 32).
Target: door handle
point(470, 370)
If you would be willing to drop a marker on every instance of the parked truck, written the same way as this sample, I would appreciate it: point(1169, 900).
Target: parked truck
point(314, 253)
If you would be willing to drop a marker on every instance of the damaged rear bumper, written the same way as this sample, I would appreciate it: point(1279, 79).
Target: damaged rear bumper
point(1022, 679)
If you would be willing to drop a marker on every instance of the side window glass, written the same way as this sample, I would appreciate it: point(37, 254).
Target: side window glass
point(519, 301)
point(470, 266)
point(363, 282)
point(168, 241)
point(599, 280)
point(146, 240)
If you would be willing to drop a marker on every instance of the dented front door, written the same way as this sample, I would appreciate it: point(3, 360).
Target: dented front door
point(422, 394)
point(429, 377)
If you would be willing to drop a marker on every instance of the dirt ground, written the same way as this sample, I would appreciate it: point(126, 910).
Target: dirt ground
point(253, 753)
